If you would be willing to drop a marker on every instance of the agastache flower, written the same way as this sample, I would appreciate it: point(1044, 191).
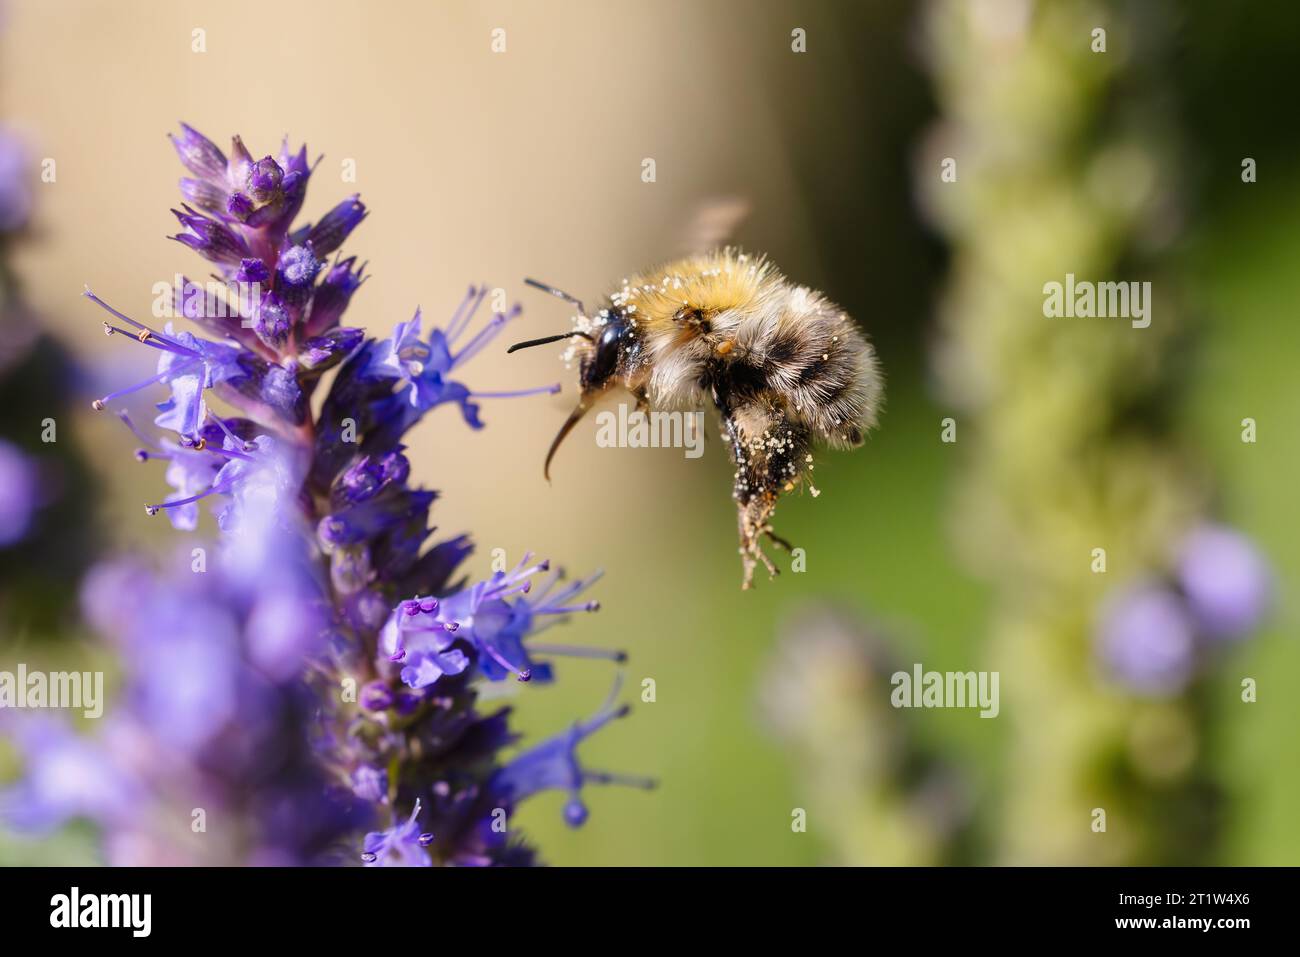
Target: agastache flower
point(422, 368)
point(190, 470)
point(554, 765)
point(187, 364)
point(402, 845)
point(495, 617)
point(322, 539)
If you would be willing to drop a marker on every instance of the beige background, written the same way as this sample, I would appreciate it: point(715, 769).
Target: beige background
point(476, 166)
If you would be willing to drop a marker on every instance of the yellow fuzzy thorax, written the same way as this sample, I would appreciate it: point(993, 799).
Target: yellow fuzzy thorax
point(708, 284)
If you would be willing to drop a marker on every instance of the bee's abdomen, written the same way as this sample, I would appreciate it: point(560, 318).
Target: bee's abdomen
point(823, 369)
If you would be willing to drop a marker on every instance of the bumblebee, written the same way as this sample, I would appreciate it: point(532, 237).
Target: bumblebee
point(783, 365)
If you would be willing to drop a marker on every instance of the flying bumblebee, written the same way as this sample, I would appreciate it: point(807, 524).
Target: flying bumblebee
point(783, 365)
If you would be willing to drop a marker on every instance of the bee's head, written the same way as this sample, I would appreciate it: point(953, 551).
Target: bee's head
point(601, 359)
point(602, 355)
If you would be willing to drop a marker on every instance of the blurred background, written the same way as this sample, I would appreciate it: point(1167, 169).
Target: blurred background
point(1121, 163)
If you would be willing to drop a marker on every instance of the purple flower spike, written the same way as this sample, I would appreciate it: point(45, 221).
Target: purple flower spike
point(317, 670)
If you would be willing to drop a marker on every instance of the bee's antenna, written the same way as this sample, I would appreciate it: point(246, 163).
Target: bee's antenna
point(547, 340)
point(559, 294)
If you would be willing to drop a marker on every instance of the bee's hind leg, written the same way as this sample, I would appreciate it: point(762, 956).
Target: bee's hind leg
point(752, 524)
point(765, 447)
point(777, 540)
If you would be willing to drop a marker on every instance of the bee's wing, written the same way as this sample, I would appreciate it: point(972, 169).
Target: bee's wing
point(714, 224)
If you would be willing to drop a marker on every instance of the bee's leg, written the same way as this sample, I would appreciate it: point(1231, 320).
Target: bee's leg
point(777, 540)
point(642, 400)
point(752, 519)
point(766, 448)
point(746, 554)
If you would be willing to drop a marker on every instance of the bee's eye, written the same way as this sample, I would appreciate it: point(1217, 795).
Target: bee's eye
point(605, 359)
